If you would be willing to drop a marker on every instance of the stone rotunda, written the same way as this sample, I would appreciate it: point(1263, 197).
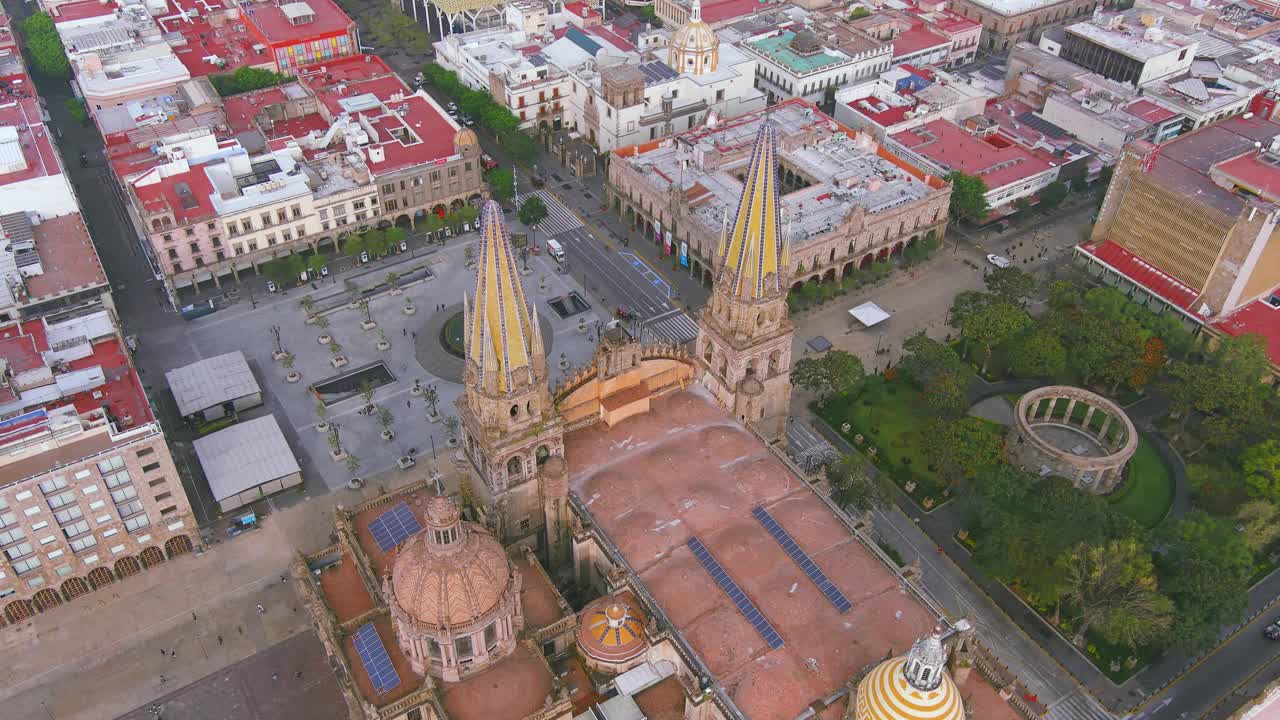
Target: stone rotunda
point(694, 48)
point(913, 687)
point(611, 634)
point(453, 595)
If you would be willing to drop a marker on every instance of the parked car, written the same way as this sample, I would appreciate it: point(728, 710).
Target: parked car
point(1272, 631)
point(999, 261)
point(453, 106)
point(488, 162)
point(468, 120)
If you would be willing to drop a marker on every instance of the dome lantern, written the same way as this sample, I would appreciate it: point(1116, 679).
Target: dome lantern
point(926, 662)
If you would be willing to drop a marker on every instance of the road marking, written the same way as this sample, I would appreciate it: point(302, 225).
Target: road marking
point(646, 272)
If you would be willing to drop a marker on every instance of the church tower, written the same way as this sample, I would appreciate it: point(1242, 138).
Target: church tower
point(745, 334)
point(510, 426)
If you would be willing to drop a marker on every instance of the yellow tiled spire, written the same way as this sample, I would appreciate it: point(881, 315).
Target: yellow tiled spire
point(753, 253)
point(501, 333)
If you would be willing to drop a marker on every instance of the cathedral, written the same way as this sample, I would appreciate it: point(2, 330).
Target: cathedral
point(564, 581)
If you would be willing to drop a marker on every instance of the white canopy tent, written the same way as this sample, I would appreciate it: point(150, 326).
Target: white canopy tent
point(868, 314)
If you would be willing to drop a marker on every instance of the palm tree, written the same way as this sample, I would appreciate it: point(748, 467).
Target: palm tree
point(432, 396)
point(308, 305)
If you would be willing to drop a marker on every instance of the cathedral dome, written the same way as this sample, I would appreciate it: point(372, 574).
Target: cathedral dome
point(466, 136)
point(451, 574)
point(611, 633)
point(913, 687)
point(694, 48)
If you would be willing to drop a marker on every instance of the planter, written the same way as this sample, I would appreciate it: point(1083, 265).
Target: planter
point(452, 442)
point(416, 390)
point(337, 455)
point(324, 339)
point(582, 329)
point(383, 345)
point(338, 361)
point(311, 320)
point(278, 356)
point(394, 291)
point(322, 427)
point(368, 324)
point(433, 417)
point(409, 309)
point(388, 435)
point(406, 462)
point(564, 364)
point(355, 484)
point(293, 377)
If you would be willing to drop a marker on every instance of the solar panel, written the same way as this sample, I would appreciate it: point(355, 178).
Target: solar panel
point(392, 527)
point(377, 664)
point(656, 72)
point(802, 559)
point(739, 598)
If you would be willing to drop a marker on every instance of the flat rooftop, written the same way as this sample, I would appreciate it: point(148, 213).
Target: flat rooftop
point(68, 256)
point(211, 41)
point(1130, 37)
point(1185, 163)
point(280, 23)
point(998, 160)
point(211, 381)
point(778, 49)
point(510, 690)
point(1016, 7)
point(686, 469)
point(849, 175)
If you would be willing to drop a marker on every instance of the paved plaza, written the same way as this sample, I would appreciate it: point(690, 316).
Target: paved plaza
point(415, 354)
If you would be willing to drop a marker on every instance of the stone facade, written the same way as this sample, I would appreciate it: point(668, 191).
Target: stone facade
point(76, 528)
point(1002, 29)
point(1055, 407)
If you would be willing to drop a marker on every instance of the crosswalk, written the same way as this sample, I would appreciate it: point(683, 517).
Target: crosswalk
point(1076, 706)
point(558, 219)
point(674, 325)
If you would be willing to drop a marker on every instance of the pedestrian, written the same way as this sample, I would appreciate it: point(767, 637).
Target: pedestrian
point(404, 332)
point(298, 674)
point(261, 609)
point(415, 335)
point(240, 628)
point(283, 580)
point(163, 652)
point(162, 679)
point(275, 676)
point(193, 616)
point(219, 640)
point(173, 654)
point(406, 404)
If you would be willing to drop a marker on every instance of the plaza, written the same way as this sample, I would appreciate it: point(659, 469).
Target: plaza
point(415, 355)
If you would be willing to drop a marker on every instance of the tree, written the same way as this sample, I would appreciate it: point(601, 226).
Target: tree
point(1112, 587)
point(945, 396)
point(451, 426)
point(1261, 522)
point(1261, 464)
point(317, 263)
point(965, 305)
point(1010, 284)
point(959, 448)
point(366, 392)
point(308, 305)
point(375, 241)
point(927, 359)
point(385, 418)
point(1205, 570)
point(246, 79)
point(852, 488)
point(285, 270)
point(44, 46)
point(353, 464)
point(1226, 389)
point(1052, 196)
point(533, 210)
point(469, 214)
point(431, 396)
point(394, 236)
point(968, 197)
point(354, 246)
point(1038, 355)
point(859, 12)
point(836, 371)
point(991, 324)
point(501, 184)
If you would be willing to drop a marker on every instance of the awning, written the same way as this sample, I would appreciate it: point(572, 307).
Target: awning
point(869, 313)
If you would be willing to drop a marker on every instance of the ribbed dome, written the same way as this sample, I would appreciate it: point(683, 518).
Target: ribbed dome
point(885, 694)
point(453, 584)
point(465, 137)
point(694, 48)
point(695, 37)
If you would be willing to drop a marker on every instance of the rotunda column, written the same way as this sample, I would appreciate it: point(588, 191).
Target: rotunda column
point(1071, 406)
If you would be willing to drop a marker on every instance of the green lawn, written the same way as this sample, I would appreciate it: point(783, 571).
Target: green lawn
point(895, 425)
point(1147, 492)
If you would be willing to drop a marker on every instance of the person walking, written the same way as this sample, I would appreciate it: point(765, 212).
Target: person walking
point(219, 640)
point(261, 609)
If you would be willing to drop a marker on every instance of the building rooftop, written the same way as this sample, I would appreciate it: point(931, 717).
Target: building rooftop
point(1125, 33)
point(851, 170)
point(1186, 163)
point(244, 456)
point(1144, 273)
point(1195, 95)
point(718, 12)
point(781, 49)
point(916, 38)
point(209, 36)
point(286, 23)
point(68, 257)
point(512, 689)
point(704, 482)
point(1014, 7)
point(1261, 318)
point(997, 159)
point(210, 382)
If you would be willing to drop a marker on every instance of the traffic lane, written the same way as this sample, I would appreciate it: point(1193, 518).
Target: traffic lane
point(1216, 676)
point(587, 255)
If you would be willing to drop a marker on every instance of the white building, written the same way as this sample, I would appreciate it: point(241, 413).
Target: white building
point(1107, 115)
point(1134, 48)
point(907, 97)
point(796, 65)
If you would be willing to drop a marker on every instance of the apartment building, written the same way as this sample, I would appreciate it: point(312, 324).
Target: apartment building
point(295, 168)
point(90, 494)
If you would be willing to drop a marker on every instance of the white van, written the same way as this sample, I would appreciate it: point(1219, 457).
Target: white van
point(555, 251)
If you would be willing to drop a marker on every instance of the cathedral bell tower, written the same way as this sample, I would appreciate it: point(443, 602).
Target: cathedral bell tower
point(510, 424)
point(745, 334)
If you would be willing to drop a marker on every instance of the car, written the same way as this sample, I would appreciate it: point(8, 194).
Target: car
point(453, 114)
point(624, 312)
point(488, 162)
point(468, 120)
point(453, 106)
point(1272, 631)
point(999, 261)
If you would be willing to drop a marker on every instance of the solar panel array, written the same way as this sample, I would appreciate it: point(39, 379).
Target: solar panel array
point(656, 72)
point(392, 527)
point(739, 598)
point(802, 559)
point(377, 664)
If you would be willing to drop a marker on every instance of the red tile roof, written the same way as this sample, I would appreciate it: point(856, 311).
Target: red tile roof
point(232, 45)
point(1144, 273)
point(163, 195)
point(20, 109)
point(1150, 111)
point(717, 11)
point(82, 10)
point(1257, 318)
point(581, 10)
point(915, 39)
point(1250, 172)
point(998, 160)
